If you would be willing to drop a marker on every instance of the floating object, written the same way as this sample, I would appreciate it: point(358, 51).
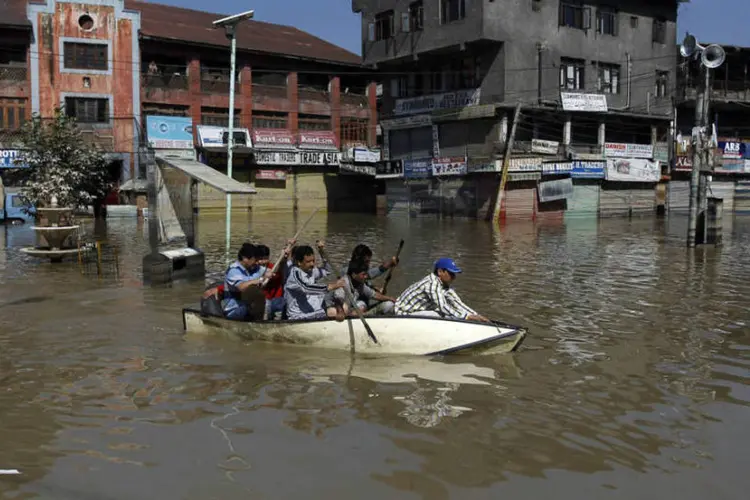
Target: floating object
point(9, 472)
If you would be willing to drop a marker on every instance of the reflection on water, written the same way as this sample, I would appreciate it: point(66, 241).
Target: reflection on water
point(633, 382)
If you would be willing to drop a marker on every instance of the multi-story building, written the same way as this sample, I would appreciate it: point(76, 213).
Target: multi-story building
point(595, 80)
point(125, 68)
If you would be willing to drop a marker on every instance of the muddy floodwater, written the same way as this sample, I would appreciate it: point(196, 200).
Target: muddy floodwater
point(633, 383)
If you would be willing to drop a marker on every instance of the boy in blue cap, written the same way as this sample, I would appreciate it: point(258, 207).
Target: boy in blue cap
point(433, 296)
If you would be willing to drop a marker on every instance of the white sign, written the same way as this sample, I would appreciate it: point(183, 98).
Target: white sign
point(621, 150)
point(428, 103)
point(186, 154)
point(407, 122)
point(633, 170)
point(572, 101)
point(448, 166)
point(521, 165)
point(211, 136)
point(559, 189)
point(436, 140)
point(557, 167)
point(364, 155)
point(297, 158)
point(544, 147)
point(357, 169)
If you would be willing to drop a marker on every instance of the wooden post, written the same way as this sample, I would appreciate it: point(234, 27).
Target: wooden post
point(506, 162)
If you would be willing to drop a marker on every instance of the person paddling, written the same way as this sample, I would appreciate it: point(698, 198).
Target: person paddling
point(433, 296)
point(356, 284)
point(363, 253)
point(305, 297)
point(240, 276)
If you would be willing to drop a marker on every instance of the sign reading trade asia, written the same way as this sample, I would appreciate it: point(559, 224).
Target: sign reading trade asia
point(169, 132)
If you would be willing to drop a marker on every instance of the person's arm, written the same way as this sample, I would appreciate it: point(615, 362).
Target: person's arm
point(239, 282)
point(459, 305)
point(325, 266)
point(300, 282)
point(380, 270)
point(444, 306)
point(371, 293)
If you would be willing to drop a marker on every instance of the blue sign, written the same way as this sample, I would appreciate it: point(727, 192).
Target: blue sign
point(418, 169)
point(732, 149)
point(8, 158)
point(588, 169)
point(170, 132)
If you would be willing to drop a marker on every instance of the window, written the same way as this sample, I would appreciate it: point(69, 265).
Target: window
point(575, 15)
point(314, 122)
point(267, 119)
point(634, 22)
point(662, 83)
point(400, 86)
point(12, 113)
point(572, 74)
point(606, 21)
point(219, 117)
point(383, 27)
point(452, 10)
point(87, 109)
point(18, 201)
point(416, 16)
point(608, 80)
point(659, 31)
point(85, 56)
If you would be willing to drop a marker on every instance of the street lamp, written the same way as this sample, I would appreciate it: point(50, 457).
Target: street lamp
point(230, 24)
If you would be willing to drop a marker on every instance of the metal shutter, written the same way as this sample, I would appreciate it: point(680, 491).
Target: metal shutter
point(742, 198)
point(585, 200)
point(421, 142)
point(678, 196)
point(519, 202)
point(399, 144)
point(643, 200)
point(723, 190)
point(614, 201)
point(397, 196)
point(453, 139)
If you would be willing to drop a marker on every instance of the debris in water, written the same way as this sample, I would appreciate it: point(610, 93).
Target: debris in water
point(9, 472)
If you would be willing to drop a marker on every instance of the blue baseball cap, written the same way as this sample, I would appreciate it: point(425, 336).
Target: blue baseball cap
point(447, 264)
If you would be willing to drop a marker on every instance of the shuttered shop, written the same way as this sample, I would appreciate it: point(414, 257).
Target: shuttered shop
point(410, 143)
point(643, 200)
point(472, 138)
point(678, 196)
point(622, 201)
point(724, 190)
point(519, 200)
point(585, 200)
point(742, 198)
point(397, 196)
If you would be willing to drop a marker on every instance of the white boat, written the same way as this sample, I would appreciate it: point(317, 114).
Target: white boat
point(406, 335)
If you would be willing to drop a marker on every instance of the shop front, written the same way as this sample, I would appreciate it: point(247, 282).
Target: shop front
point(630, 187)
point(520, 197)
point(554, 189)
point(587, 178)
point(212, 151)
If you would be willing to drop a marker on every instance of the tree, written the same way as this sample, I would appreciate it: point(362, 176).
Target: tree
point(60, 163)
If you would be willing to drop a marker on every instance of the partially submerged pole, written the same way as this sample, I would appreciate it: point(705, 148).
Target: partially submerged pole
point(506, 162)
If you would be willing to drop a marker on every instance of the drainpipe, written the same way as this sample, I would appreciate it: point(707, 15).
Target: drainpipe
point(627, 104)
point(539, 73)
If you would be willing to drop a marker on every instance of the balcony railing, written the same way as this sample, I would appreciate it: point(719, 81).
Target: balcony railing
point(12, 73)
point(261, 91)
point(217, 82)
point(313, 94)
point(354, 100)
point(164, 81)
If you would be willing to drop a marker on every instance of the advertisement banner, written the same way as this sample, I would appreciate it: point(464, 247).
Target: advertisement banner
point(588, 170)
point(169, 132)
point(572, 101)
point(477, 165)
point(317, 139)
point(557, 167)
point(270, 175)
point(661, 152)
point(622, 150)
point(319, 158)
point(273, 138)
point(296, 158)
point(405, 122)
point(8, 158)
point(521, 165)
point(389, 169)
point(448, 166)
point(633, 170)
point(348, 168)
point(428, 103)
point(364, 155)
point(544, 147)
point(732, 149)
point(683, 163)
point(418, 169)
point(559, 189)
point(730, 166)
point(212, 136)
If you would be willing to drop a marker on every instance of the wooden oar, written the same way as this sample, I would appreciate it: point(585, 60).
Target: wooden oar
point(353, 303)
point(281, 257)
point(390, 271)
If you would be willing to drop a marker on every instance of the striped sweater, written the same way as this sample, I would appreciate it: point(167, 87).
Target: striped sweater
point(303, 294)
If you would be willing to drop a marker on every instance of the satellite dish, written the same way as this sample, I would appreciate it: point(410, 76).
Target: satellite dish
point(689, 45)
point(713, 56)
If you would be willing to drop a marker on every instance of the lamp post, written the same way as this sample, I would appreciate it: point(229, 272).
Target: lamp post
point(230, 24)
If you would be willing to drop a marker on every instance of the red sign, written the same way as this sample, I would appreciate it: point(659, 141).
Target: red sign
point(273, 138)
point(683, 164)
point(270, 175)
point(319, 139)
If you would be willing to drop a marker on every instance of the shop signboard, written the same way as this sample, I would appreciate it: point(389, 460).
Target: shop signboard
point(683, 163)
point(573, 101)
point(521, 165)
point(210, 136)
point(428, 103)
point(544, 147)
point(732, 149)
point(557, 167)
point(365, 155)
point(479, 165)
point(559, 189)
point(270, 175)
point(273, 138)
point(296, 158)
point(169, 132)
point(633, 170)
point(389, 169)
point(588, 169)
point(661, 152)
point(317, 139)
point(8, 158)
point(418, 169)
point(623, 150)
point(319, 158)
point(448, 166)
point(406, 122)
point(348, 168)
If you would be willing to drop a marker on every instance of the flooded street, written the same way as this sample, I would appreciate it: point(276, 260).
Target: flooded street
point(633, 383)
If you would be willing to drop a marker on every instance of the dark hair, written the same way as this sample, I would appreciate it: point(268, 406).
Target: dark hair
point(262, 252)
point(357, 267)
point(301, 252)
point(361, 251)
point(247, 251)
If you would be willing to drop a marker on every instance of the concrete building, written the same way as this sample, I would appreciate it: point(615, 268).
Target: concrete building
point(595, 78)
point(126, 69)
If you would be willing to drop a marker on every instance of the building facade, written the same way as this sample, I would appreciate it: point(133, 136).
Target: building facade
point(595, 81)
point(129, 70)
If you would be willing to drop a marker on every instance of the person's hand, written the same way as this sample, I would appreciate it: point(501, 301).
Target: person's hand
point(211, 291)
point(394, 261)
point(340, 283)
point(268, 274)
point(477, 317)
point(321, 244)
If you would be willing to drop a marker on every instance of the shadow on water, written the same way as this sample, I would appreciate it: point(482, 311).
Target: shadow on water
point(633, 383)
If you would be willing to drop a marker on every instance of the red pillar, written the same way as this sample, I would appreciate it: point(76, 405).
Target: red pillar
point(246, 97)
point(292, 94)
point(194, 86)
point(335, 96)
point(372, 97)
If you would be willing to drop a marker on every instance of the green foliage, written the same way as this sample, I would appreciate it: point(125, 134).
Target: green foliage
point(60, 163)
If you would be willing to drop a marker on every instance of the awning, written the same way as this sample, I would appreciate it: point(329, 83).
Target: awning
point(206, 174)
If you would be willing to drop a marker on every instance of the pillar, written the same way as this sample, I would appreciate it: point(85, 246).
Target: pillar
point(567, 135)
point(292, 94)
point(601, 136)
point(334, 94)
point(372, 127)
point(654, 135)
point(503, 130)
point(194, 88)
point(246, 97)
